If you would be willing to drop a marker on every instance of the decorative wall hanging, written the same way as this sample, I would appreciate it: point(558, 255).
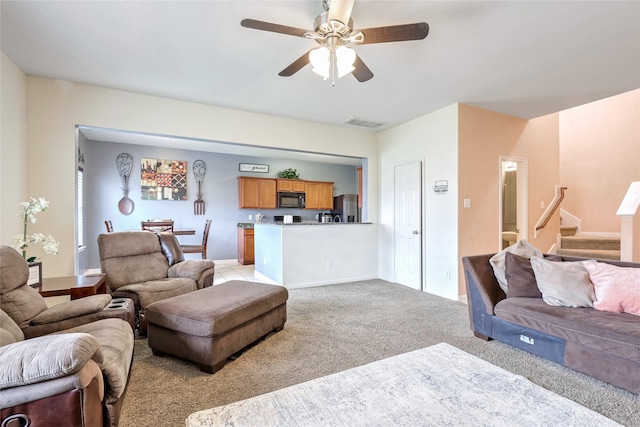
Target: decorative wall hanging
point(163, 179)
point(124, 162)
point(199, 169)
point(441, 187)
point(250, 167)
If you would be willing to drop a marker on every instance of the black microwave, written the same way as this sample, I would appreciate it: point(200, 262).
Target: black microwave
point(291, 200)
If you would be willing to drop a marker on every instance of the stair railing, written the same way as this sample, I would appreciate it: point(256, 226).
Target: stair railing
point(551, 209)
point(627, 211)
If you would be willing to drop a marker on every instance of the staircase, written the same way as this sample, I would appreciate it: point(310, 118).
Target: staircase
point(599, 246)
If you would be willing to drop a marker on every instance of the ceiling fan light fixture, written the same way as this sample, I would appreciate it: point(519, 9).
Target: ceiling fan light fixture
point(323, 58)
point(345, 57)
point(319, 59)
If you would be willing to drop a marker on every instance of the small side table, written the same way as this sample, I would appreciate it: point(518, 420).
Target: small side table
point(75, 286)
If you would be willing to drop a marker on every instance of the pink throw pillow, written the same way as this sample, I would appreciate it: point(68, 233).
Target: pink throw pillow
point(617, 289)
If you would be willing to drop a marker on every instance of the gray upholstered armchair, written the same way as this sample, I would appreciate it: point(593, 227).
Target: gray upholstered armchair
point(149, 267)
point(76, 375)
point(30, 312)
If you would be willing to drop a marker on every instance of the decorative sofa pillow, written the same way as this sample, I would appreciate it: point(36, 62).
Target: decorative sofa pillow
point(522, 248)
point(520, 277)
point(563, 283)
point(617, 289)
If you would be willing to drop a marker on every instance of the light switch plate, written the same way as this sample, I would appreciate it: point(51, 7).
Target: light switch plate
point(467, 203)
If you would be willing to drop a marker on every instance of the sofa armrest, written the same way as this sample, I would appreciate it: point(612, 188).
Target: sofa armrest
point(480, 278)
point(45, 358)
point(72, 309)
point(199, 270)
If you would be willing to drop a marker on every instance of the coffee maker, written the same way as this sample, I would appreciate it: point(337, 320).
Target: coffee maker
point(325, 217)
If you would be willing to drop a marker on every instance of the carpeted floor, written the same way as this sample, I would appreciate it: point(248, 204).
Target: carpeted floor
point(333, 328)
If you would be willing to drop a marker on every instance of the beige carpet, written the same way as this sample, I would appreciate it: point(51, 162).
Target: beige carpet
point(437, 385)
point(334, 328)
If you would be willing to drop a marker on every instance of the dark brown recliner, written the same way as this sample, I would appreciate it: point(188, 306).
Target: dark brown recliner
point(149, 267)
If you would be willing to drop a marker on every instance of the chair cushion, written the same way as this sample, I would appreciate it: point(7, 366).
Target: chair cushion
point(124, 271)
point(10, 332)
point(14, 270)
point(157, 290)
point(22, 304)
point(191, 268)
point(131, 257)
point(47, 357)
point(115, 338)
point(70, 309)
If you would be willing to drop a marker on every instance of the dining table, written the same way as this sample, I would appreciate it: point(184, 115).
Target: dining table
point(184, 232)
point(179, 231)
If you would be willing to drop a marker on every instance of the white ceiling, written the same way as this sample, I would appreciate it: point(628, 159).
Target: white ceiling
point(523, 58)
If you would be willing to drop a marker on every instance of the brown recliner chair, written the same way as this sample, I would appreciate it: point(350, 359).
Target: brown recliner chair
point(149, 267)
point(77, 375)
point(28, 308)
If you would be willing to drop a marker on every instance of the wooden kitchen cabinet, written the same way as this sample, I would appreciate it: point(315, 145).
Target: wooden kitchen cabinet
point(256, 193)
point(291, 185)
point(319, 195)
point(245, 246)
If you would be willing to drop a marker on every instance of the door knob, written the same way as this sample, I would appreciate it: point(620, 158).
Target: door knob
point(415, 232)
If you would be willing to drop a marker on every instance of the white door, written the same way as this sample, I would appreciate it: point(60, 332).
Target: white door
point(407, 225)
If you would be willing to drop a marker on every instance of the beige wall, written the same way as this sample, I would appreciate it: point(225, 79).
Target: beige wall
point(483, 137)
point(55, 108)
point(13, 143)
point(599, 158)
point(459, 143)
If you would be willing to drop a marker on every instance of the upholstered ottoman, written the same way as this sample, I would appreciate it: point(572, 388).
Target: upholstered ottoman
point(211, 324)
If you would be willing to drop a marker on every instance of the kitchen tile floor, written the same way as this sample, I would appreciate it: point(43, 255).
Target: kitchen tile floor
point(226, 271)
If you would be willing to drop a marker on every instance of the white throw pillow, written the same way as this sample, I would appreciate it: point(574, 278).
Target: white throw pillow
point(564, 284)
point(522, 248)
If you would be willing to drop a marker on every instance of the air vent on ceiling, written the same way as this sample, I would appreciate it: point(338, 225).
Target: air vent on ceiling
point(364, 123)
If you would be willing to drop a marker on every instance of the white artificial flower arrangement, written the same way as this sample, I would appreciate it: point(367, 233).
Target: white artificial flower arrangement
point(22, 241)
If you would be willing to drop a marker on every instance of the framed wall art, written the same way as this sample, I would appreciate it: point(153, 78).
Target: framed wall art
point(35, 274)
point(250, 167)
point(163, 179)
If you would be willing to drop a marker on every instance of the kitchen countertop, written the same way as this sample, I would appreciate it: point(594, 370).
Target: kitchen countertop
point(245, 225)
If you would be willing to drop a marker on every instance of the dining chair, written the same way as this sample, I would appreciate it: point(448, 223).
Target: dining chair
point(158, 226)
point(109, 226)
point(196, 249)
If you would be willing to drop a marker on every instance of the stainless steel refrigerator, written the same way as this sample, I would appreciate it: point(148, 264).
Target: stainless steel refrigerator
point(346, 207)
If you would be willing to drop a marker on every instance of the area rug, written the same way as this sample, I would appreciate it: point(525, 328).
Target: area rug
point(437, 385)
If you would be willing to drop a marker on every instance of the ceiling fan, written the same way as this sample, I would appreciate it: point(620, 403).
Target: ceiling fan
point(334, 32)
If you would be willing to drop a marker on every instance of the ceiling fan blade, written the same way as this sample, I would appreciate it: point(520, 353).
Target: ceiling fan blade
point(274, 28)
point(361, 71)
point(340, 10)
point(295, 66)
point(395, 33)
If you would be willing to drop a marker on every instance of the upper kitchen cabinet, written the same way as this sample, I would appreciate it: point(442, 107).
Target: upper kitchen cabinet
point(256, 193)
point(319, 195)
point(291, 185)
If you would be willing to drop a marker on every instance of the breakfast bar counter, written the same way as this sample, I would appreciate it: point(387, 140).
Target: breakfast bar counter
point(311, 253)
